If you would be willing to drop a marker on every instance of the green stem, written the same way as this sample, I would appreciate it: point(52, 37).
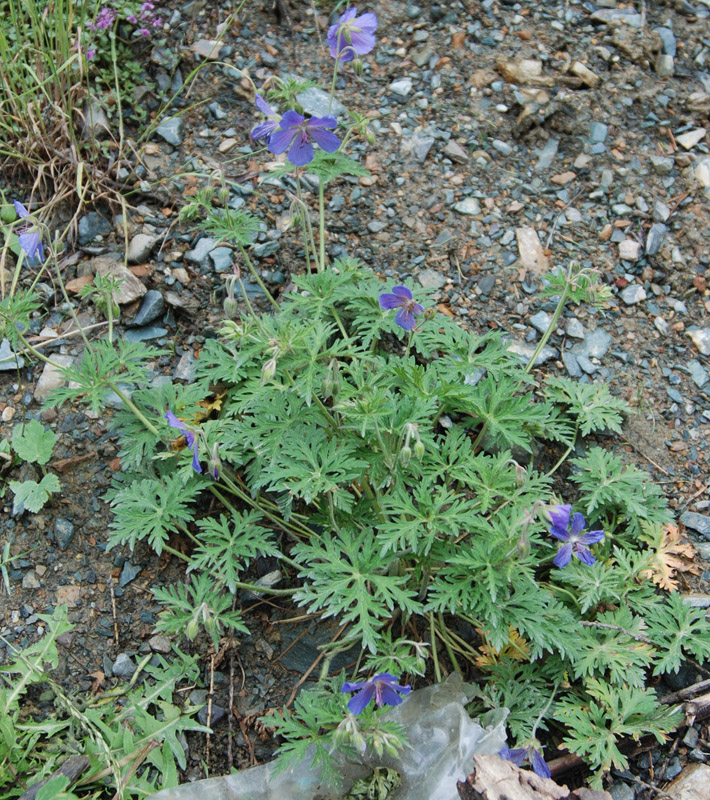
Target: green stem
point(339, 322)
point(131, 406)
point(255, 275)
point(321, 222)
point(563, 457)
point(309, 227)
point(332, 85)
point(434, 654)
point(409, 344)
point(444, 638)
point(553, 322)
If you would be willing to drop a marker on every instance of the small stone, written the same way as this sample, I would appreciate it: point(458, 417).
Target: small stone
point(266, 249)
point(200, 252)
point(128, 573)
point(160, 644)
point(541, 321)
point(402, 87)
point(547, 155)
point(691, 737)
point(629, 250)
point(226, 145)
point(563, 178)
point(92, 225)
point(130, 288)
point(701, 339)
point(486, 284)
point(662, 165)
point(665, 65)
point(172, 130)
point(63, 532)
point(123, 667)
point(571, 364)
point(596, 343)
point(315, 101)
point(661, 325)
point(207, 48)
point(668, 40)
point(502, 147)
point(145, 334)
point(696, 522)
point(29, 581)
point(376, 225)
point(96, 124)
point(697, 373)
point(185, 369)
point(151, 308)
point(140, 248)
point(526, 352)
point(632, 294)
point(431, 279)
point(693, 783)
point(8, 413)
point(9, 362)
point(702, 172)
point(621, 791)
point(455, 152)
point(221, 258)
point(469, 206)
point(574, 329)
point(618, 16)
point(598, 132)
point(532, 256)
point(656, 235)
point(661, 212)
point(689, 139)
point(417, 145)
point(52, 376)
point(582, 71)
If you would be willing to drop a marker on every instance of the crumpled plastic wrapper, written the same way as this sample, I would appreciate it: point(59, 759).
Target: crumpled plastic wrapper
point(442, 740)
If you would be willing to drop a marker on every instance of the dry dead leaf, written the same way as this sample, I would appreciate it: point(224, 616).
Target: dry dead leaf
point(673, 554)
point(516, 648)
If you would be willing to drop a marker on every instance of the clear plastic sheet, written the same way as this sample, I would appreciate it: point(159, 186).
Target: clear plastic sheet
point(442, 740)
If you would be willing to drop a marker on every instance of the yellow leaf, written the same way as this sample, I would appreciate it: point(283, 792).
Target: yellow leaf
point(673, 554)
point(209, 406)
point(516, 649)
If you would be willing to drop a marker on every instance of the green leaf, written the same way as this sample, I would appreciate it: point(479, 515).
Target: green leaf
point(33, 443)
point(592, 404)
point(31, 496)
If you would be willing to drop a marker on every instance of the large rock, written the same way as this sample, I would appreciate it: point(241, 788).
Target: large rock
point(130, 289)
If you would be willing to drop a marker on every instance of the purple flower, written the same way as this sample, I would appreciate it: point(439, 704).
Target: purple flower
point(295, 132)
point(352, 35)
point(264, 129)
point(105, 18)
point(190, 436)
point(568, 527)
point(401, 298)
point(30, 238)
point(531, 754)
point(384, 687)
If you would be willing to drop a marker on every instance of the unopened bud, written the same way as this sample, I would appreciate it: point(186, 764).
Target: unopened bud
point(370, 136)
point(418, 450)
point(192, 629)
point(268, 370)
point(231, 308)
point(405, 454)
point(327, 387)
point(357, 66)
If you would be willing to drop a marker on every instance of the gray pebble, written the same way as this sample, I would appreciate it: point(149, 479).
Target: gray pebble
point(701, 339)
point(662, 165)
point(655, 238)
point(172, 130)
point(418, 145)
point(571, 364)
point(221, 258)
point(632, 294)
point(376, 225)
point(151, 308)
point(697, 373)
point(691, 737)
point(469, 206)
point(668, 40)
point(486, 284)
point(8, 360)
point(63, 532)
point(123, 667)
point(574, 329)
point(595, 345)
point(160, 643)
point(140, 248)
point(697, 522)
point(431, 279)
point(128, 573)
point(145, 334)
point(661, 212)
point(502, 147)
point(266, 249)
point(185, 370)
point(30, 581)
point(526, 352)
point(402, 86)
point(621, 791)
point(92, 225)
point(201, 251)
point(598, 132)
point(541, 321)
point(315, 101)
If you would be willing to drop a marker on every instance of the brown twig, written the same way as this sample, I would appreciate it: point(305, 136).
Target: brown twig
point(113, 613)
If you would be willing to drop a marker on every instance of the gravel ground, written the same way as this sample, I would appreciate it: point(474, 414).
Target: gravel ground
point(509, 139)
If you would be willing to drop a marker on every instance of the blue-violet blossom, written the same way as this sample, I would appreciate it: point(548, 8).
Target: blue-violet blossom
point(190, 436)
point(568, 527)
point(401, 298)
point(529, 754)
point(264, 129)
point(383, 687)
point(295, 132)
point(352, 35)
point(30, 238)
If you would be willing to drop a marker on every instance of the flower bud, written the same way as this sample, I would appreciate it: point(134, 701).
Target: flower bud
point(357, 66)
point(192, 629)
point(268, 370)
point(418, 450)
point(405, 454)
point(231, 308)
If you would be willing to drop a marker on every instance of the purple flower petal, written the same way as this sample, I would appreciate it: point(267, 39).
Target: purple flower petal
point(291, 119)
point(325, 139)
point(301, 151)
point(352, 687)
point(367, 22)
point(30, 242)
point(516, 756)
point(21, 210)
point(405, 319)
point(578, 523)
point(538, 764)
point(174, 422)
point(264, 129)
point(584, 554)
point(387, 696)
point(389, 301)
point(361, 700)
point(560, 533)
point(564, 556)
point(559, 515)
point(195, 458)
point(362, 42)
point(280, 141)
point(328, 121)
point(402, 291)
point(264, 107)
point(591, 537)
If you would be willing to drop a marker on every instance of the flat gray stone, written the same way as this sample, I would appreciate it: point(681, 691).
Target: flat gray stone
point(172, 130)
point(92, 225)
point(51, 377)
point(662, 165)
point(668, 40)
point(128, 573)
point(402, 86)
point(417, 145)
point(701, 339)
point(431, 279)
point(8, 360)
point(314, 101)
point(185, 369)
point(63, 532)
point(140, 248)
point(130, 288)
point(595, 345)
point(151, 308)
point(201, 251)
point(123, 667)
point(547, 155)
point(661, 212)
point(597, 132)
point(574, 329)
point(541, 321)
point(700, 523)
point(221, 258)
point(665, 65)
point(618, 16)
point(697, 373)
point(145, 334)
point(525, 351)
point(469, 206)
point(654, 240)
point(266, 249)
point(455, 152)
point(629, 250)
point(632, 294)
point(571, 364)
point(30, 581)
